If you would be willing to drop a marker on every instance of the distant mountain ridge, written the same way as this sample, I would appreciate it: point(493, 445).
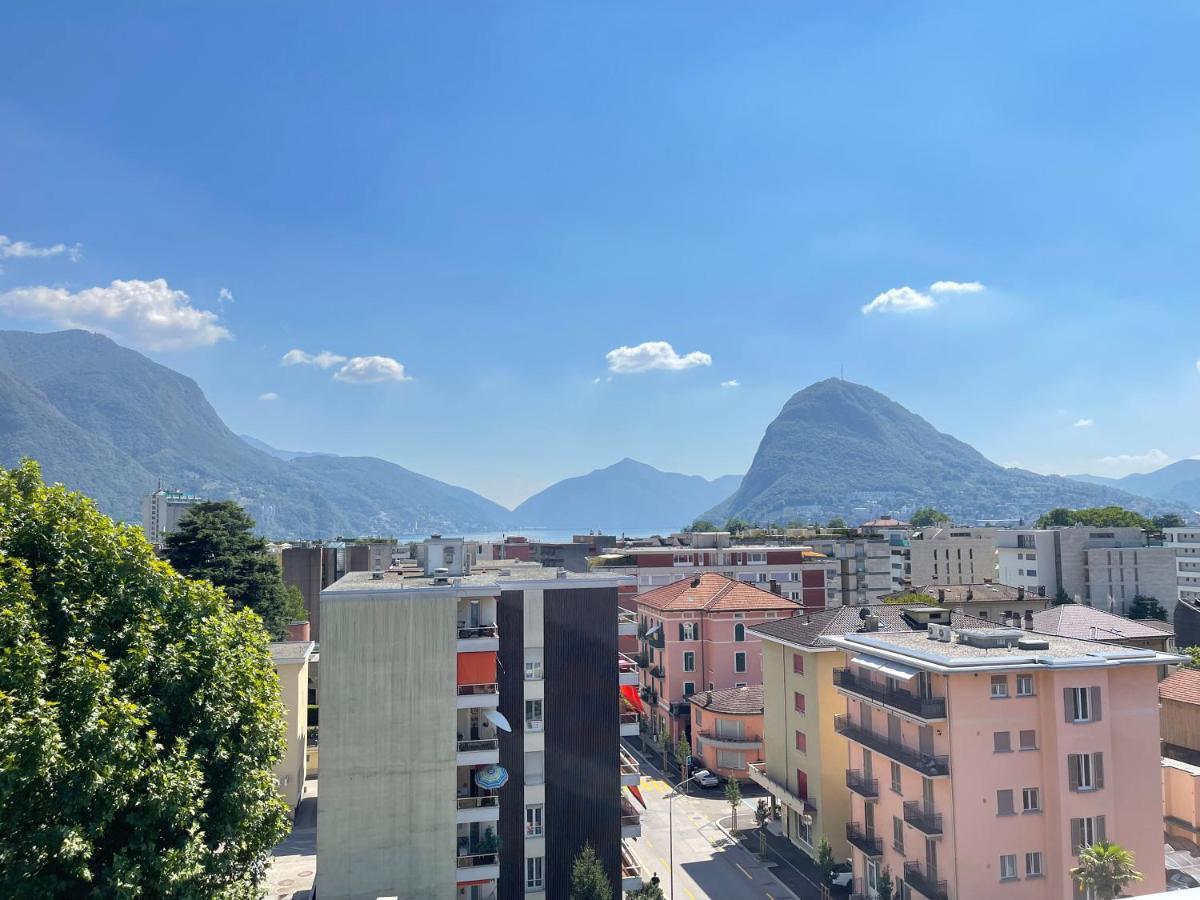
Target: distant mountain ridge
point(285, 455)
point(108, 421)
point(836, 446)
point(628, 493)
point(1177, 482)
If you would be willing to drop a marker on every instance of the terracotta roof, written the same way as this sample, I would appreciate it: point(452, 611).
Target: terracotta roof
point(1075, 621)
point(807, 630)
point(713, 592)
point(980, 592)
point(746, 701)
point(1183, 685)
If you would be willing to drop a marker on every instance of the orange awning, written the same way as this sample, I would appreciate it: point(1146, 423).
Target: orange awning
point(477, 668)
point(629, 692)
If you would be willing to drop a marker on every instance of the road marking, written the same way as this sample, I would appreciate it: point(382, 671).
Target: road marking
point(689, 893)
point(738, 866)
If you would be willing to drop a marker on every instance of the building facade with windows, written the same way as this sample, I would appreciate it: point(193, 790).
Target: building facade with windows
point(695, 638)
point(161, 512)
point(952, 554)
point(472, 721)
point(727, 730)
point(1043, 744)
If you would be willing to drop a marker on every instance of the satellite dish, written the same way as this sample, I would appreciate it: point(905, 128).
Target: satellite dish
point(864, 614)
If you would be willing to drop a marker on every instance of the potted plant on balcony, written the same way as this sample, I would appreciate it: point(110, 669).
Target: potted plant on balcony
point(489, 844)
point(885, 888)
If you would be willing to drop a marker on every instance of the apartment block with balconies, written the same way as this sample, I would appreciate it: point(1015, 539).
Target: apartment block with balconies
point(1042, 744)
point(472, 717)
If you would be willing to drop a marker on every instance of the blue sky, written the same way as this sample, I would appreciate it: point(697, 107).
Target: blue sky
point(473, 204)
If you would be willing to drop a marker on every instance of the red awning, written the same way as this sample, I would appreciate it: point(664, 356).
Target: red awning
point(637, 792)
point(630, 695)
point(477, 668)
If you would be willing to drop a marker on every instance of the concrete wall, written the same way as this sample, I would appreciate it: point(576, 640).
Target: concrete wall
point(387, 799)
point(302, 569)
point(291, 770)
point(976, 554)
point(1126, 572)
point(1181, 799)
point(1180, 724)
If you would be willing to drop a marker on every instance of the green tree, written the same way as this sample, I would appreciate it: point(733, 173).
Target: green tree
point(911, 598)
point(1105, 869)
point(885, 886)
point(825, 861)
point(216, 541)
point(1059, 516)
point(1194, 656)
point(733, 796)
point(737, 526)
point(702, 525)
point(1147, 608)
point(1096, 517)
point(649, 891)
point(1061, 597)
point(836, 522)
point(139, 714)
point(926, 516)
point(762, 815)
point(1170, 520)
point(293, 604)
point(588, 881)
point(682, 751)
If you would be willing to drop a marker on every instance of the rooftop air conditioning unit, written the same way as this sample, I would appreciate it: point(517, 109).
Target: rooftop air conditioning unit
point(441, 575)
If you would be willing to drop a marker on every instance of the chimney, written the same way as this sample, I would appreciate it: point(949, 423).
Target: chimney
point(1020, 593)
point(296, 631)
point(775, 588)
point(1041, 590)
point(870, 622)
point(941, 595)
point(1029, 620)
point(970, 595)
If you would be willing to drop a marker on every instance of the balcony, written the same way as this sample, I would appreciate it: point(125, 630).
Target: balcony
point(629, 724)
point(642, 660)
point(478, 696)
point(626, 623)
point(779, 790)
point(631, 822)
point(656, 640)
point(476, 867)
point(478, 638)
point(730, 742)
point(861, 784)
point(867, 843)
point(680, 708)
point(657, 671)
point(924, 820)
point(929, 766)
point(631, 773)
point(925, 885)
point(927, 708)
point(475, 753)
point(627, 668)
point(633, 877)
point(485, 808)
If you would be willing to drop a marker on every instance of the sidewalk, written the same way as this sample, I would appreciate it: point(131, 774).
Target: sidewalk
point(792, 866)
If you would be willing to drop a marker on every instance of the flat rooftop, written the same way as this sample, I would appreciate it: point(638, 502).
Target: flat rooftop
point(491, 576)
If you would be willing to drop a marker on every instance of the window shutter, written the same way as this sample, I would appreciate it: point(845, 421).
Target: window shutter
point(681, 635)
point(1068, 706)
point(696, 631)
point(1094, 696)
point(1098, 769)
point(1076, 836)
point(1101, 835)
point(1073, 771)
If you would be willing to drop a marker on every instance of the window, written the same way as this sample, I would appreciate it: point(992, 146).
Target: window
point(533, 820)
point(533, 872)
point(1008, 866)
point(687, 631)
point(1031, 800)
point(1033, 864)
point(801, 742)
point(689, 661)
point(689, 688)
point(1031, 572)
point(757, 559)
point(798, 663)
point(896, 778)
point(898, 834)
point(739, 632)
point(696, 716)
point(1085, 771)
point(1004, 803)
point(999, 686)
point(1082, 704)
point(1085, 832)
point(533, 715)
point(739, 661)
point(1001, 742)
point(1024, 685)
point(533, 670)
point(1028, 740)
point(798, 700)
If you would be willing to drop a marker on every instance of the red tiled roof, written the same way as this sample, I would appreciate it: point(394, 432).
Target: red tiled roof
point(711, 591)
point(747, 701)
point(1183, 685)
point(1089, 623)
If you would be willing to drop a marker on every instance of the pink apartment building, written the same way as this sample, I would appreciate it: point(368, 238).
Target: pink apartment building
point(1024, 748)
point(695, 639)
point(727, 730)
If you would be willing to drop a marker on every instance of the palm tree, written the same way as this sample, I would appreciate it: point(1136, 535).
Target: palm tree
point(1105, 869)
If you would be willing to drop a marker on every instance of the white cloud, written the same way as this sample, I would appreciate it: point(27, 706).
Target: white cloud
point(731, 383)
point(1085, 423)
point(322, 360)
point(22, 249)
point(956, 287)
point(653, 355)
point(370, 370)
point(268, 396)
point(1127, 463)
point(224, 295)
point(1198, 365)
point(144, 313)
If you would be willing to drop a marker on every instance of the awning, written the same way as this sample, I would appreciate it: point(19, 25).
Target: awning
point(886, 667)
point(630, 695)
point(638, 794)
point(650, 633)
point(497, 718)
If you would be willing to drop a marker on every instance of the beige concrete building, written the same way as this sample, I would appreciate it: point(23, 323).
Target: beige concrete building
point(291, 667)
point(952, 555)
point(161, 512)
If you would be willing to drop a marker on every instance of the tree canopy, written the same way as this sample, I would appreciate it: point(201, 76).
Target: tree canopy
point(836, 522)
point(216, 541)
point(702, 525)
point(1170, 520)
point(1105, 869)
point(737, 526)
point(1096, 517)
point(588, 881)
point(926, 516)
point(139, 714)
point(1147, 608)
point(911, 598)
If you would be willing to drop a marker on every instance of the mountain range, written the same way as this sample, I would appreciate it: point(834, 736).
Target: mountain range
point(1178, 482)
point(837, 446)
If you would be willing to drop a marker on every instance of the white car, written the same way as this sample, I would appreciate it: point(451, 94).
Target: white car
point(705, 778)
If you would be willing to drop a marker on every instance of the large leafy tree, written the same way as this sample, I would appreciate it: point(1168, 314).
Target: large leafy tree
point(1096, 517)
point(926, 516)
point(1105, 869)
point(139, 714)
point(588, 881)
point(216, 541)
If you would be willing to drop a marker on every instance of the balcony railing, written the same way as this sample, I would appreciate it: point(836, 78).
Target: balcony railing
point(656, 672)
point(629, 765)
point(467, 633)
point(642, 660)
point(930, 766)
point(478, 745)
point(626, 663)
point(921, 882)
point(861, 784)
point(867, 843)
point(730, 738)
point(921, 707)
point(625, 617)
point(629, 718)
point(483, 802)
point(925, 820)
point(473, 860)
point(469, 690)
point(656, 640)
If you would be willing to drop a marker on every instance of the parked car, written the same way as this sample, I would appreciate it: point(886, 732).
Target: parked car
point(842, 875)
point(706, 779)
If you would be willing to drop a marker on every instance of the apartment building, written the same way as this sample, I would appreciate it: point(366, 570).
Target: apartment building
point(471, 723)
point(727, 730)
point(805, 771)
point(290, 660)
point(1185, 542)
point(952, 555)
point(161, 512)
point(864, 566)
point(312, 567)
point(1043, 744)
point(695, 638)
point(991, 601)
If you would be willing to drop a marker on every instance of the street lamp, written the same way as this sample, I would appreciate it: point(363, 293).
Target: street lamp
point(671, 831)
